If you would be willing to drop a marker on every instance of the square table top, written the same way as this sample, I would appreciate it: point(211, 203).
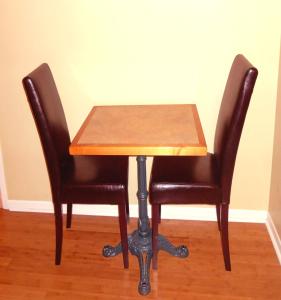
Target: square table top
point(148, 130)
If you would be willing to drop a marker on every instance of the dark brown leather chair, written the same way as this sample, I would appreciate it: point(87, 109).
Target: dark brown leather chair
point(74, 179)
point(207, 179)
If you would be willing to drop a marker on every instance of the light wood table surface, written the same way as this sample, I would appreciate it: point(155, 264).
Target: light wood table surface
point(148, 130)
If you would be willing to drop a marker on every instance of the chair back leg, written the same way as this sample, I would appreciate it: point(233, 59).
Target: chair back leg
point(224, 236)
point(59, 231)
point(69, 215)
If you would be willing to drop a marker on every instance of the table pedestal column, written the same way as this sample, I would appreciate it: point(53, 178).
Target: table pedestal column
point(140, 242)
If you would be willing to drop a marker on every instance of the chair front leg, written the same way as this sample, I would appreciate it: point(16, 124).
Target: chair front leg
point(224, 236)
point(159, 215)
point(155, 222)
point(123, 232)
point(218, 210)
point(127, 208)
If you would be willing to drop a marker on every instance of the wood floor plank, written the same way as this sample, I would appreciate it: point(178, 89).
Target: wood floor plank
point(27, 269)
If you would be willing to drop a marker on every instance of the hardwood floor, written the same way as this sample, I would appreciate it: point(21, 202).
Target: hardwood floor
point(27, 269)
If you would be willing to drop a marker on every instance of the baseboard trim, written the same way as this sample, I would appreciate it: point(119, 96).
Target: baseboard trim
point(168, 211)
point(274, 236)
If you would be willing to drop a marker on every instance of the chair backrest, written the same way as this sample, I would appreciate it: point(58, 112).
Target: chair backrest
point(47, 110)
point(232, 114)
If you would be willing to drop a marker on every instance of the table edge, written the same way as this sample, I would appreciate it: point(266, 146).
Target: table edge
point(199, 149)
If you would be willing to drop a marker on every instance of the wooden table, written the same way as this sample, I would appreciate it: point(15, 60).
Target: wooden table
point(141, 130)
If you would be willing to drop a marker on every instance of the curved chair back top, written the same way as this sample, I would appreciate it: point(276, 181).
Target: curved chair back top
point(234, 106)
point(47, 110)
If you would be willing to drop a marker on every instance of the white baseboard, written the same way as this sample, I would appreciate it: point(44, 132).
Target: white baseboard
point(168, 211)
point(274, 236)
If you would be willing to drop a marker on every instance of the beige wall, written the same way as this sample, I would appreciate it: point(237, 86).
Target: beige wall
point(275, 191)
point(132, 52)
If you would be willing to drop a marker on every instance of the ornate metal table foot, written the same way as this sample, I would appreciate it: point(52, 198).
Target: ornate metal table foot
point(109, 251)
point(141, 247)
point(165, 245)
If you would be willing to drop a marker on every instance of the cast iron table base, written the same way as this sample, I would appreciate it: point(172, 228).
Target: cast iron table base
point(140, 242)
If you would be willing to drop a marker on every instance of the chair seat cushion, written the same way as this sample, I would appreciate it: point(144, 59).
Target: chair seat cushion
point(184, 180)
point(103, 179)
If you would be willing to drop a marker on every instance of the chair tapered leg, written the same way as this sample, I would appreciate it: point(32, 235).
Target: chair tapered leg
point(218, 209)
point(123, 233)
point(69, 215)
point(59, 232)
point(127, 208)
point(224, 236)
point(159, 215)
point(155, 221)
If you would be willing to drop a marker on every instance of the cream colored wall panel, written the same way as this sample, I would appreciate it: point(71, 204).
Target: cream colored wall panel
point(138, 52)
point(275, 191)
